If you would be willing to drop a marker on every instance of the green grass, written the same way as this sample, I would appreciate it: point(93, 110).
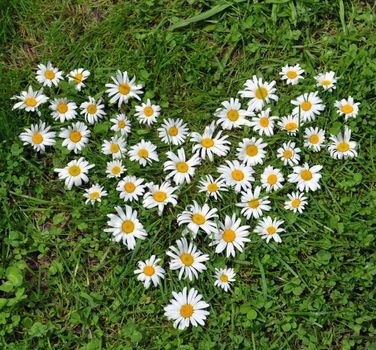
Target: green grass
point(65, 285)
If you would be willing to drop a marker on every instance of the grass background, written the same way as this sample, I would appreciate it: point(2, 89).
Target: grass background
point(65, 285)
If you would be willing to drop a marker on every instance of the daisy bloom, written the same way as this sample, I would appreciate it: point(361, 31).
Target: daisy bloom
point(115, 168)
point(131, 188)
point(75, 136)
point(251, 151)
point(308, 106)
point(121, 124)
point(231, 115)
point(75, 173)
point(125, 227)
point(30, 100)
point(94, 194)
point(147, 113)
point(187, 258)
point(326, 80)
point(159, 196)
point(269, 228)
point(289, 124)
point(271, 179)
point(62, 109)
point(259, 93)
point(348, 107)
point(314, 138)
point(181, 170)
point(224, 278)
point(341, 146)
point(144, 152)
point(39, 136)
point(289, 154)
point(123, 88)
point(150, 271)
point(306, 177)
point(292, 74)
point(198, 217)
point(263, 123)
point(187, 308)
point(78, 76)
point(93, 110)
point(230, 235)
point(296, 202)
point(252, 204)
point(237, 175)
point(211, 187)
point(114, 147)
point(48, 75)
point(173, 131)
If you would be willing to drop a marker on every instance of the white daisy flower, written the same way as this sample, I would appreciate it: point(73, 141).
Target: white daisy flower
point(94, 194)
point(30, 100)
point(187, 308)
point(263, 123)
point(211, 187)
point(292, 74)
point(296, 202)
point(121, 124)
point(126, 227)
point(306, 177)
point(230, 235)
point(271, 179)
point(198, 217)
point(62, 109)
point(159, 196)
point(173, 131)
point(78, 76)
point(115, 168)
point(123, 89)
point(75, 173)
point(114, 147)
point(150, 272)
point(93, 110)
point(181, 170)
point(251, 151)
point(231, 115)
point(187, 258)
point(147, 113)
point(75, 136)
point(224, 278)
point(131, 188)
point(269, 228)
point(259, 92)
point(207, 145)
point(48, 75)
point(237, 175)
point(39, 136)
point(326, 80)
point(289, 154)
point(252, 204)
point(341, 146)
point(143, 152)
point(314, 138)
point(290, 124)
point(348, 107)
point(308, 106)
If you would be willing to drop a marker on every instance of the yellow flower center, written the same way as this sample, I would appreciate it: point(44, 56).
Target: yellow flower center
point(198, 219)
point(287, 154)
point(129, 187)
point(91, 109)
point(347, 109)
point(212, 187)
point(251, 150)
point(75, 136)
point(261, 93)
point(271, 230)
point(326, 82)
point(295, 202)
point(254, 203)
point(291, 126)
point(291, 74)
point(116, 170)
point(207, 143)
point(186, 259)
point(182, 167)
point(127, 226)
point(124, 88)
point(30, 102)
point(272, 179)
point(74, 170)
point(314, 139)
point(233, 115)
point(343, 147)
point(306, 106)
point(114, 148)
point(306, 175)
point(148, 111)
point(37, 139)
point(228, 235)
point(237, 175)
point(264, 122)
point(62, 107)
point(78, 78)
point(173, 131)
point(49, 74)
point(149, 270)
point(94, 195)
point(160, 196)
point(186, 311)
point(121, 124)
point(143, 153)
point(223, 278)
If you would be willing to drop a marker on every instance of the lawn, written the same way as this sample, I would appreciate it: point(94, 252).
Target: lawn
point(65, 284)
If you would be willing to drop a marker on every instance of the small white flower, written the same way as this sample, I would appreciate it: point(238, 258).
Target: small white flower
point(147, 113)
point(173, 131)
point(308, 106)
point(93, 110)
point(30, 100)
point(253, 204)
point(348, 107)
point(62, 109)
point(314, 138)
point(289, 154)
point(326, 80)
point(159, 196)
point(94, 194)
point(296, 202)
point(271, 179)
point(290, 124)
point(150, 272)
point(292, 74)
point(251, 151)
point(48, 75)
point(78, 76)
point(306, 177)
point(269, 228)
point(263, 123)
point(114, 147)
point(211, 187)
point(39, 136)
point(121, 124)
point(144, 152)
point(131, 188)
point(237, 175)
point(115, 168)
point(231, 115)
point(342, 146)
point(224, 278)
point(75, 136)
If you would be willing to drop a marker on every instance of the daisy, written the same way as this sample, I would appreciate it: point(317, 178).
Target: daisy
point(263, 123)
point(269, 228)
point(131, 188)
point(308, 106)
point(251, 151)
point(181, 170)
point(48, 75)
point(224, 278)
point(93, 110)
point(230, 235)
point(39, 136)
point(253, 204)
point(78, 76)
point(144, 152)
point(75, 173)
point(187, 308)
point(296, 202)
point(187, 258)
point(259, 92)
point(289, 124)
point(348, 107)
point(150, 271)
point(115, 168)
point(341, 146)
point(314, 138)
point(326, 80)
point(231, 115)
point(271, 179)
point(94, 194)
point(207, 145)
point(173, 131)
point(289, 154)
point(62, 109)
point(307, 178)
point(75, 136)
point(237, 175)
point(292, 74)
point(159, 196)
point(123, 89)
point(30, 100)
point(125, 227)
point(114, 147)
point(198, 217)
point(147, 113)
point(211, 187)
point(121, 124)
